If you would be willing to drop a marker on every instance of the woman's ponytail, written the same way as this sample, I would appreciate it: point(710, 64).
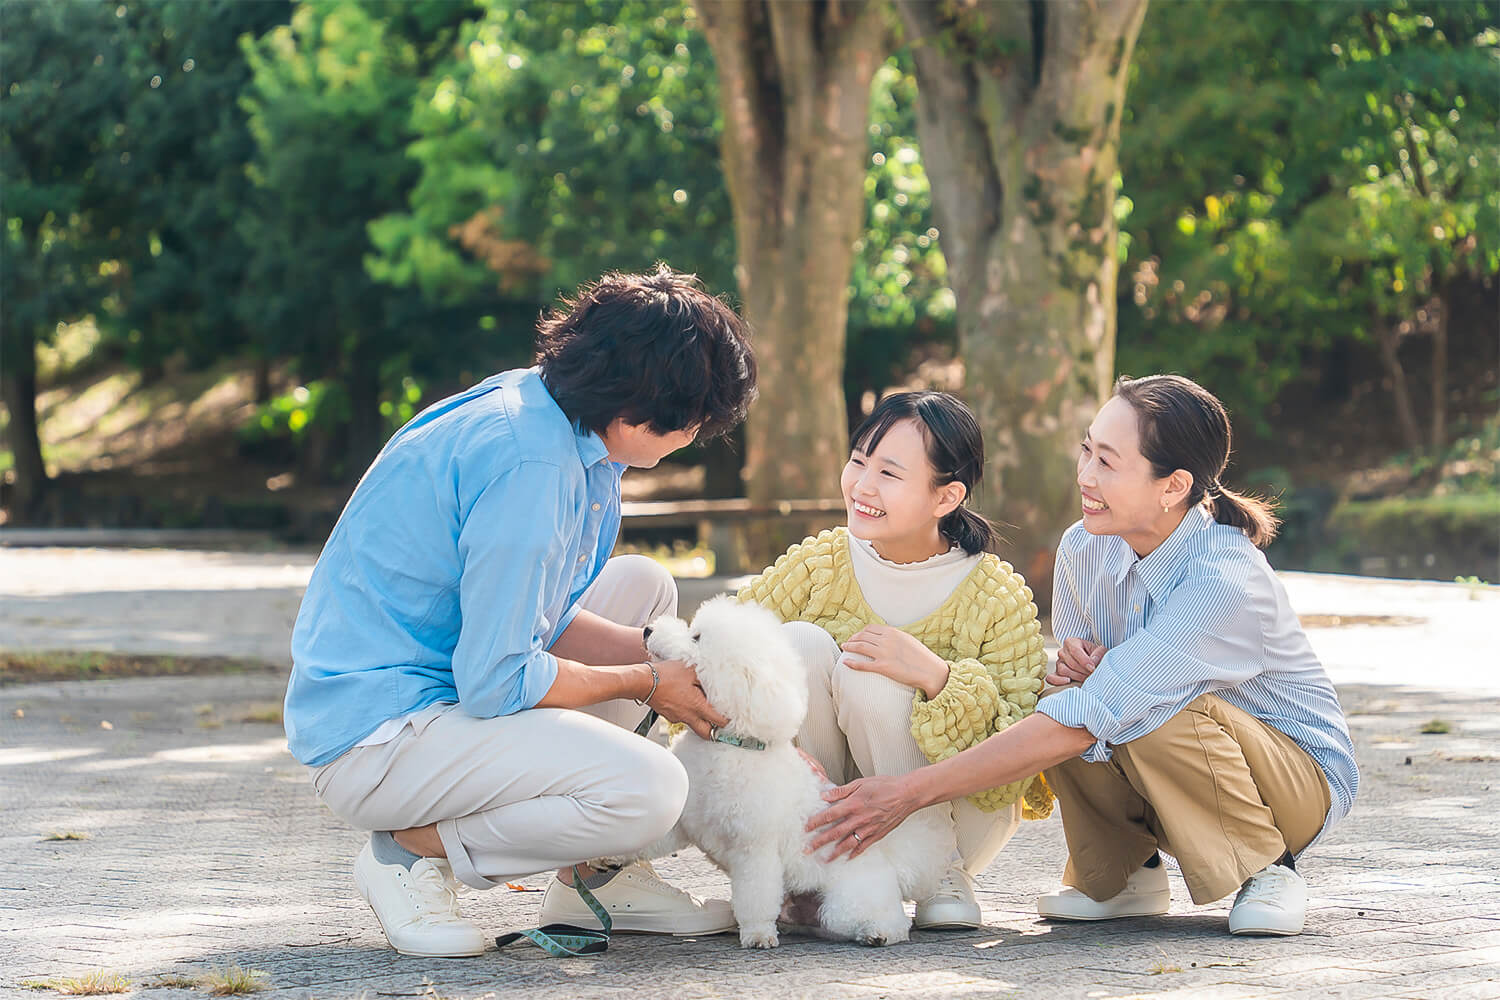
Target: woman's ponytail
point(1253, 515)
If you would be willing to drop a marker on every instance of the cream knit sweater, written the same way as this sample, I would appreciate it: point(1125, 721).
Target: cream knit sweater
point(986, 630)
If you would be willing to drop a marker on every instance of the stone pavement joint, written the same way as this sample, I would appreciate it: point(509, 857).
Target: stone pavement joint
point(205, 846)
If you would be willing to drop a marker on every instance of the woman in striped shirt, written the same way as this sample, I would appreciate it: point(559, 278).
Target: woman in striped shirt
point(1190, 714)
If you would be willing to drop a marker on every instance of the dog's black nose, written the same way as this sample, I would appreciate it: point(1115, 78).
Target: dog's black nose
point(646, 632)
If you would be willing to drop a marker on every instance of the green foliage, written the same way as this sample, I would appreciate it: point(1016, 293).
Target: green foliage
point(562, 140)
point(899, 296)
point(1356, 176)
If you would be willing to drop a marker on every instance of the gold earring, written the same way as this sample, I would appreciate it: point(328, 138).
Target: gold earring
point(1164, 508)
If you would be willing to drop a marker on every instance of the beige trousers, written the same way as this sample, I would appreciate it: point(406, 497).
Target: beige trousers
point(530, 792)
point(1219, 790)
point(859, 723)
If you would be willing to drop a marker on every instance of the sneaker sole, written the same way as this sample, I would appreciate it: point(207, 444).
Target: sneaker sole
point(947, 925)
point(1264, 932)
point(364, 893)
point(1144, 911)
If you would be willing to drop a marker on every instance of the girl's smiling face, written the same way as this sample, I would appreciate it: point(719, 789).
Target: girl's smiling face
point(890, 497)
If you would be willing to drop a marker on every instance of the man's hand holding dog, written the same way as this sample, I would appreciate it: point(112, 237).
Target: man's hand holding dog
point(862, 812)
point(679, 698)
point(899, 655)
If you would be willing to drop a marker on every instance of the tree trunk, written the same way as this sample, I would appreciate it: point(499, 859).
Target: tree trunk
point(1019, 110)
point(794, 82)
point(1388, 340)
point(1440, 379)
point(18, 393)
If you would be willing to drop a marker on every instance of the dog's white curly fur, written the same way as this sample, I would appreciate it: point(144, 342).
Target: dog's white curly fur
point(746, 809)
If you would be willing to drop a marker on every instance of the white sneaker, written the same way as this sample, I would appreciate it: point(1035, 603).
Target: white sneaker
point(1146, 894)
point(638, 900)
point(417, 908)
point(952, 907)
point(1272, 901)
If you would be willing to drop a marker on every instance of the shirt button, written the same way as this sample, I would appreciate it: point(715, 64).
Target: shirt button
point(582, 558)
point(596, 506)
point(1137, 609)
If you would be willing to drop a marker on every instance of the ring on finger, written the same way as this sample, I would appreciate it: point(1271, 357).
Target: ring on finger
point(857, 838)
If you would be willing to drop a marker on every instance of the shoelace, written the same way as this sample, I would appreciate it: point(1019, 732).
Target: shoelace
point(1263, 886)
point(654, 881)
point(432, 893)
point(950, 886)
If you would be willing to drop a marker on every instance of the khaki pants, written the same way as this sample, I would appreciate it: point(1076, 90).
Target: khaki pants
point(1219, 790)
point(530, 792)
point(859, 723)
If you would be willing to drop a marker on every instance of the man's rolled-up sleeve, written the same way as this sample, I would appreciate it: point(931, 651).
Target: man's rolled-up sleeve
point(510, 543)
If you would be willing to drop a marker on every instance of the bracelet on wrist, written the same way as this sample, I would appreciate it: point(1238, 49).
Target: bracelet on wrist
point(655, 680)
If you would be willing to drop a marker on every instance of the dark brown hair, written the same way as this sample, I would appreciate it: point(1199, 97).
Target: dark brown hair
point(652, 348)
point(955, 447)
point(1184, 426)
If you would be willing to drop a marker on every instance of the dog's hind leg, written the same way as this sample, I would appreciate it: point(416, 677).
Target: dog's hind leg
point(757, 888)
point(862, 903)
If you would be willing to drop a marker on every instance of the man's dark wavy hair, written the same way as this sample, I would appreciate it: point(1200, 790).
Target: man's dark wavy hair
point(651, 348)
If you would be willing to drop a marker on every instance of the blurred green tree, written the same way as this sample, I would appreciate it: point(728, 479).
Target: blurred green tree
point(1336, 198)
point(330, 107)
point(57, 109)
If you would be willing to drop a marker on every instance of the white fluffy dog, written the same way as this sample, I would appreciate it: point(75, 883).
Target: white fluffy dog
point(747, 808)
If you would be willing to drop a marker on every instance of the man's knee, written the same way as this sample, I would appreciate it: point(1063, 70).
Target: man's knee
point(652, 795)
point(643, 575)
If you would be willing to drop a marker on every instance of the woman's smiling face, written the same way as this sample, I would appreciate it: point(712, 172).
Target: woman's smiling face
point(1118, 493)
point(889, 495)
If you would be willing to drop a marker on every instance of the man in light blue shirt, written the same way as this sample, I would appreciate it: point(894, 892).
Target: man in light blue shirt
point(465, 608)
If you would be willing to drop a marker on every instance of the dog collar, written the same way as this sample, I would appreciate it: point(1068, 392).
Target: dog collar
point(718, 735)
point(735, 740)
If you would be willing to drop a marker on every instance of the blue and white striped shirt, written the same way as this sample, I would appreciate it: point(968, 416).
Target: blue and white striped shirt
point(1201, 614)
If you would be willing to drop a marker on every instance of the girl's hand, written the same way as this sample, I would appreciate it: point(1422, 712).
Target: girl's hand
point(1075, 661)
point(863, 811)
point(898, 655)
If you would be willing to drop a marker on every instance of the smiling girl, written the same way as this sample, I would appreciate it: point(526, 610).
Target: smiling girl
point(1193, 717)
point(918, 641)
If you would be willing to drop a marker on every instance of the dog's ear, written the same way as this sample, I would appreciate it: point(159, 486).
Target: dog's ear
point(749, 670)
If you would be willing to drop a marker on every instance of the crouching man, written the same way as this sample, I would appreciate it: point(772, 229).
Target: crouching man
point(469, 662)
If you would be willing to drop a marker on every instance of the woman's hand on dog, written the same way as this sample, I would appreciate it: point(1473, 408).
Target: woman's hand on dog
point(898, 655)
point(680, 698)
point(1075, 661)
point(870, 807)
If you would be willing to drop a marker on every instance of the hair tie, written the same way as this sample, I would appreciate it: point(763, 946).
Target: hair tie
point(1214, 487)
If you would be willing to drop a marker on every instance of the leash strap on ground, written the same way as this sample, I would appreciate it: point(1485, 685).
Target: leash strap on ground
point(565, 940)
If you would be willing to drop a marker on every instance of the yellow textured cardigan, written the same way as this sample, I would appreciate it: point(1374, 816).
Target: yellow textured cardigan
point(986, 630)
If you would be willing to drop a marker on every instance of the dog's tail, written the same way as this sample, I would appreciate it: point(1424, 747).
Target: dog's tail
point(919, 850)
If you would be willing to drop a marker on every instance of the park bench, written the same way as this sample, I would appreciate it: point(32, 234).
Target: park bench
point(723, 526)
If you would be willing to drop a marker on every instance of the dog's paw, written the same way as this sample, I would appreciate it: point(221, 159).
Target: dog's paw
point(758, 936)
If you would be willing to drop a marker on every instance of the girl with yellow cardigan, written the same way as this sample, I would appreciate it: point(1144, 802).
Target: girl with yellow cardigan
point(918, 641)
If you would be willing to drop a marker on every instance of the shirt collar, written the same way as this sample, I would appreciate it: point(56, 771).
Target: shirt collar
point(1160, 569)
point(591, 449)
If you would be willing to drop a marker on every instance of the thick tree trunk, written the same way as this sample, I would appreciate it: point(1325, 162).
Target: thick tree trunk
point(1019, 110)
point(18, 393)
point(794, 81)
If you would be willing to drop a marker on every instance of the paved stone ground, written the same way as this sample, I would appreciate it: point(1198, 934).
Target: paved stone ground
point(205, 847)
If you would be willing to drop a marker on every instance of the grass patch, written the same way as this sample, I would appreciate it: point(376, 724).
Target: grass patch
point(265, 714)
point(65, 835)
point(1436, 727)
point(73, 665)
point(233, 981)
point(93, 984)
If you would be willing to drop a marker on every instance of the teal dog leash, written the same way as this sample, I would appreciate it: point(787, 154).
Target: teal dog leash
point(565, 940)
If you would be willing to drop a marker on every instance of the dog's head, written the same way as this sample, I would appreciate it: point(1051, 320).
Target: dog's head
point(746, 666)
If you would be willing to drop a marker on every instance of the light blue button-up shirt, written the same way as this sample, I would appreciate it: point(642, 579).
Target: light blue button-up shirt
point(1201, 614)
point(456, 564)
